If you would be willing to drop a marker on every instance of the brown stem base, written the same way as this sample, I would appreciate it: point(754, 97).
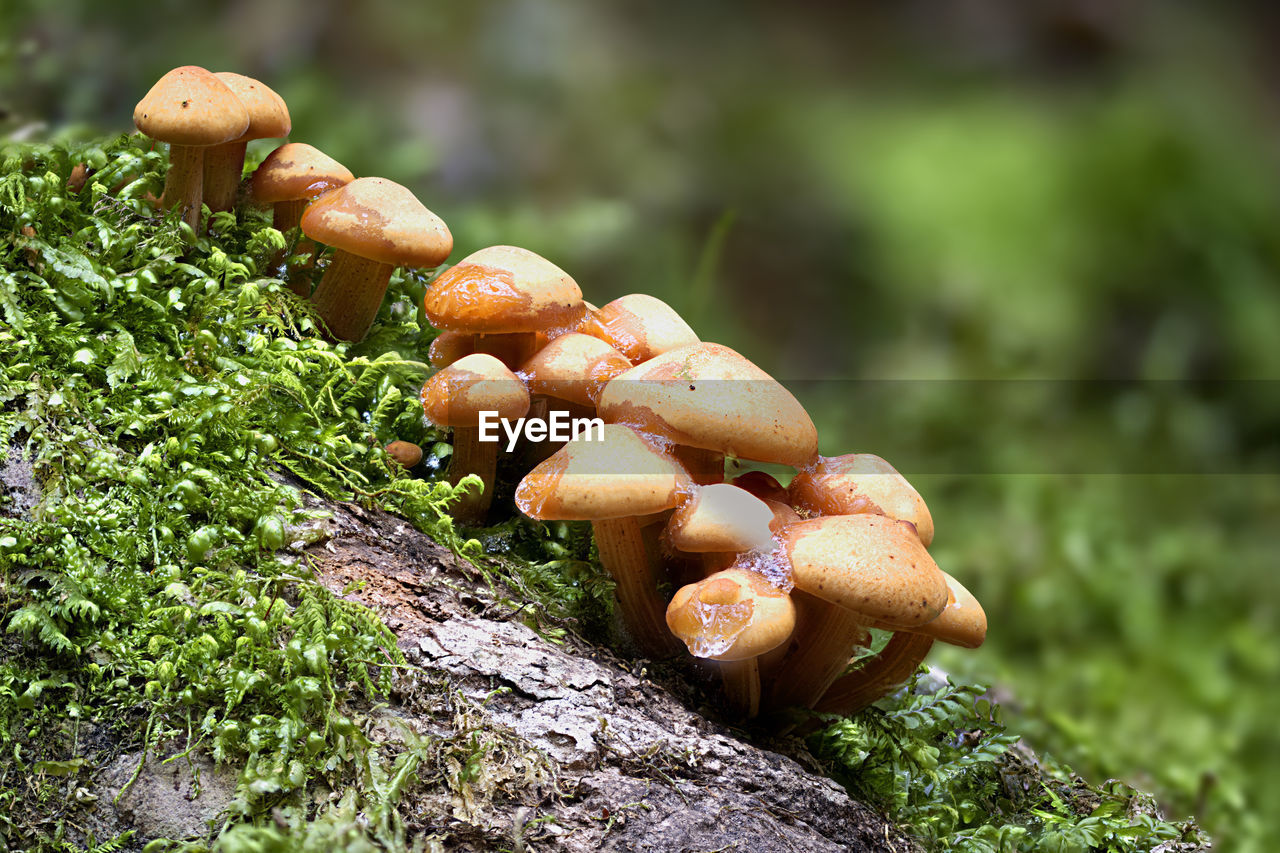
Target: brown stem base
point(184, 183)
point(350, 293)
point(820, 651)
point(741, 679)
point(878, 676)
point(287, 215)
point(223, 167)
point(512, 349)
point(472, 456)
point(636, 574)
point(706, 467)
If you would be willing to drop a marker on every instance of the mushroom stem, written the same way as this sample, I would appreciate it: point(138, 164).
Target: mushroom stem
point(223, 167)
point(741, 679)
point(184, 184)
point(288, 214)
point(350, 293)
point(473, 456)
point(636, 575)
point(818, 656)
point(878, 675)
point(511, 348)
point(704, 466)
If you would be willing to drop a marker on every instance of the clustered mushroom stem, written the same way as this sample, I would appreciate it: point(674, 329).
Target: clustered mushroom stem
point(819, 656)
point(184, 184)
point(636, 575)
point(511, 348)
point(878, 675)
point(288, 214)
point(350, 293)
point(741, 679)
point(706, 467)
point(473, 456)
point(223, 167)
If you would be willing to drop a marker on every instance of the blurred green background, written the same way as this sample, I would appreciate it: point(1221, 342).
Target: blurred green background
point(1027, 250)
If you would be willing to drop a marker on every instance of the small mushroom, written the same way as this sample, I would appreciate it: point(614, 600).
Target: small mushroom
point(293, 176)
point(405, 453)
point(224, 163)
point(503, 296)
point(733, 616)
point(613, 483)
point(374, 225)
point(857, 483)
point(455, 397)
point(718, 522)
point(868, 569)
point(710, 401)
point(640, 327)
point(191, 109)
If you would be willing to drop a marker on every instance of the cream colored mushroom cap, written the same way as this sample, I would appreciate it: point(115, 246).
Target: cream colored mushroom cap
point(731, 615)
point(641, 326)
point(721, 517)
point(962, 623)
point(708, 396)
point(378, 219)
point(191, 106)
point(869, 564)
point(504, 289)
point(457, 395)
point(587, 480)
point(296, 171)
point(857, 483)
point(574, 367)
point(268, 113)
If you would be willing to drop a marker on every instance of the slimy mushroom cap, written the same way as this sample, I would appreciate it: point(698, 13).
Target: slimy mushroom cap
point(504, 289)
point(860, 483)
point(731, 615)
point(868, 564)
point(457, 395)
point(710, 397)
point(380, 220)
point(297, 171)
point(621, 476)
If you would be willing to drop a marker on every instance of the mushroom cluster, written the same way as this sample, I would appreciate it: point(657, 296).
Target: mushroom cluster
point(373, 224)
point(777, 587)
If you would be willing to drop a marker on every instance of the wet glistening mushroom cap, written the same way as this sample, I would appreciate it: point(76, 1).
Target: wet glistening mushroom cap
point(380, 220)
point(857, 483)
point(504, 289)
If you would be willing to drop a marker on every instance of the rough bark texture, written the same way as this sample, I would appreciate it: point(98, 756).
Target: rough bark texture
point(636, 769)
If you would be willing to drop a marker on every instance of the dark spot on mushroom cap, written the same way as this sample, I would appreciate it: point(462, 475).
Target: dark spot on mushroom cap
point(692, 388)
point(186, 104)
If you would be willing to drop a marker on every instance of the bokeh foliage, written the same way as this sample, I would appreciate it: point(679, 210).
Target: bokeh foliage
point(1006, 192)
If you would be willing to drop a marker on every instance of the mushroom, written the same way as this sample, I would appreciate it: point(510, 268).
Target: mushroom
point(710, 401)
point(640, 327)
point(963, 623)
point(375, 225)
point(733, 617)
point(224, 163)
point(869, 569)
point(503, 296)
point(291, 177)
point(448, 347)
point(574, 368)
point(613, 483)
point(405, 453)
point(719, 521)
point(191, 109)
point(455, 397)
point(857, 483)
